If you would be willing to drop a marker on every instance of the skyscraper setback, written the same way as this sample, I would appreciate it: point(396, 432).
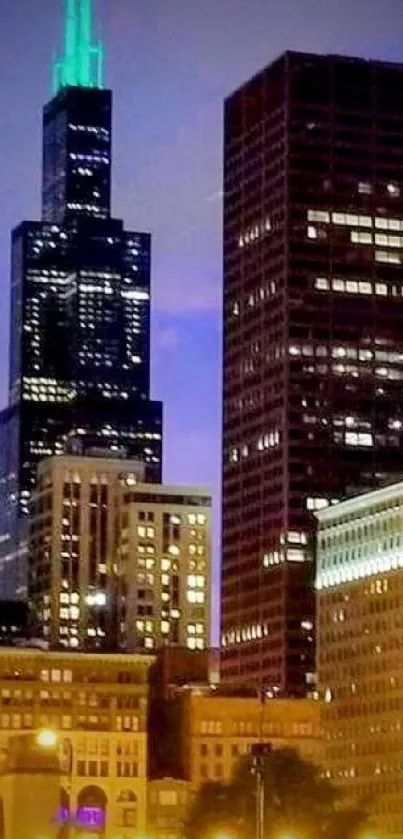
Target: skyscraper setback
point(313, 345)
point(79, 373)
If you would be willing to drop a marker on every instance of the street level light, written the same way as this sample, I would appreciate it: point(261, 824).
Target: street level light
point(46, 738)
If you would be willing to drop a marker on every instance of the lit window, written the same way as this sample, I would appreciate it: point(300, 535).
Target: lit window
point(201, 518)
point(381, 289)
point(164, 627)
point(295, 555)
point(195, 596)
point(339, 218)
point(234, 458)
point(141, 531)
point(319, 215)
point(388, 257)
point(358, 438)
point(295, 538)
point(364, 188)
point(393, 190)
point(312, 232)
point(322, 283)
point(174, 550)
point(316, 503)
point(361, 238)
point(192, 518)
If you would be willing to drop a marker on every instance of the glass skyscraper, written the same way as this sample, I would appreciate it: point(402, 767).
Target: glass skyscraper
point(79, 376)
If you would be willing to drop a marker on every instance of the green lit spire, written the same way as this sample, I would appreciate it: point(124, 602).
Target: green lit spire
point(83, 59)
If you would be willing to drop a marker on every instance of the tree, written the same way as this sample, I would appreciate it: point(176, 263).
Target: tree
point(298, 803)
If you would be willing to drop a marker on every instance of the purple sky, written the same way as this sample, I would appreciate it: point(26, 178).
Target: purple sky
point(170, 64)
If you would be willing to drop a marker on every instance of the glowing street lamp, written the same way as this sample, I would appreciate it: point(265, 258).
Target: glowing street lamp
point(46, 738)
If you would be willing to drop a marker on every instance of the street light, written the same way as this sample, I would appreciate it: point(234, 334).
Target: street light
point(46, 738)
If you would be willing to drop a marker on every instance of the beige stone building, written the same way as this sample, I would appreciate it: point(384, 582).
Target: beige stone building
point(96, 704)
point(360, 650)
point(115, 562)
point(29, 789)
point(168, 800)
point(72, 549)
point(209, 730)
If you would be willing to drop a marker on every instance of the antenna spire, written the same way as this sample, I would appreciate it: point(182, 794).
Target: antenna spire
point(82, 64)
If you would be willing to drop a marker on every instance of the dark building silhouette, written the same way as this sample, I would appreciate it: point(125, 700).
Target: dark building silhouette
point(13, 621)
point(313, 343)
point(79, 375)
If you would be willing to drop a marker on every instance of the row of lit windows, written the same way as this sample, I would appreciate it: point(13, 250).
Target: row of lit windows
point(356, 569)
point(264, 442)
point(246, 633)
point(254, 233)
point(255, 298)
point(359, 238)
point(374, 528)
point(348, 219)
point(356, 286)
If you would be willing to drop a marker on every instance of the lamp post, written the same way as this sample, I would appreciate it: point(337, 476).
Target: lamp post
point(259, 753)
point(46, 738)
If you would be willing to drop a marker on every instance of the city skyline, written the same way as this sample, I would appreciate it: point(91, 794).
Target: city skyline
point(187, 242)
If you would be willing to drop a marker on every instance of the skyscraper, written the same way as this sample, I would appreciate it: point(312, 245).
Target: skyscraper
point(80, 304)
point(313, 345)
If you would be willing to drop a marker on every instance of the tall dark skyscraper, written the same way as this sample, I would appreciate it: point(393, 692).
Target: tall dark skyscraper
point(79, 374)
point(313, 339)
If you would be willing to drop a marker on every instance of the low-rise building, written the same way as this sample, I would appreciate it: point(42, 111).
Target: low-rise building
point(97, 706)
point(360, 651)
point(208, 730)
point(168, 800)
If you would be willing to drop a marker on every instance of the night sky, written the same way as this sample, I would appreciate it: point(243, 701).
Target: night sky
point(170, 64)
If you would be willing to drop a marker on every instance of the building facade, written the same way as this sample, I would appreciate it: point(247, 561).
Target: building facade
point(97, 706)
point(168, 801)
point(360, 658)
point(209, 730)
point(72, 557)
point(115, 562)
point(79, 370)
point(164, 567)
point(313, 349)
point(29, 789)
